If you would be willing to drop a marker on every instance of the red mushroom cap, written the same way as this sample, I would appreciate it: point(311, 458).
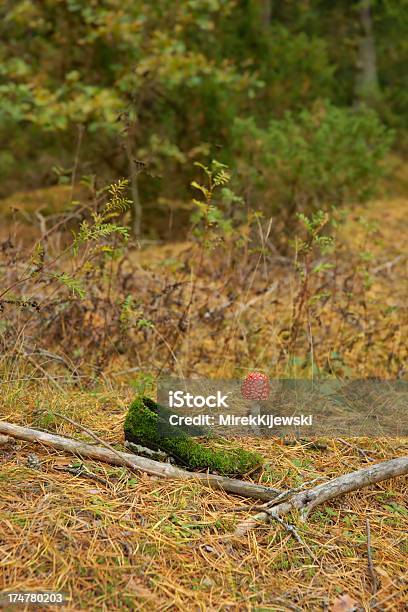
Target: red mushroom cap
point(255, 386)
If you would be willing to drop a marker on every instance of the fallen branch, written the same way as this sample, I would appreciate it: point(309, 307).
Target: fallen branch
point(82, 471)
point(360, 451)
point(154, 468)
point(292, 530)
point(95, 437)
point(305, 501)
point(157, 455)
point(371, 570)
point(279, 497)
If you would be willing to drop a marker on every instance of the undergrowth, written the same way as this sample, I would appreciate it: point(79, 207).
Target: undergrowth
point(90, 319)
point(84, 299)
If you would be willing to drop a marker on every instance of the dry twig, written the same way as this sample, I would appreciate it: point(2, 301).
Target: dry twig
point(4, 440)
point(154, 468)
point(305, 501)
point(292, 530)
point(360, 451)
point(371, 570)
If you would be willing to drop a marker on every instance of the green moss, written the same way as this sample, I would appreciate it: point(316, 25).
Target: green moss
point(146, 424)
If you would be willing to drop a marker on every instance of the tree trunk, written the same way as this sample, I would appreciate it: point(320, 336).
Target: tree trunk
point(367, 88)
point(266, 12)
point(136, 210)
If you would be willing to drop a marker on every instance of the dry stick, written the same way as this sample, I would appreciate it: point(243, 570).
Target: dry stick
point(94, 436)
point(292, 530)
point(379, 604)
point(280, 496)
point(285, 494)
point(305, 501)
point(243, 307)
point(387, 264)
point(371, 571)
point(46, 374)
point(154, 468)
point(361, 451)
point(84, 473)
point(76, 160)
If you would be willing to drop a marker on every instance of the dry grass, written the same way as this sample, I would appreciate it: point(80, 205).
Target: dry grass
point(136, 542)
point(238, 313)
point(49, 200)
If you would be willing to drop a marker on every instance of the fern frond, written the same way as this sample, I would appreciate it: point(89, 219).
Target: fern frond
point(118, 203)
point(73, 284)
point(206, 192)
point(222, 178)
point(126, 310)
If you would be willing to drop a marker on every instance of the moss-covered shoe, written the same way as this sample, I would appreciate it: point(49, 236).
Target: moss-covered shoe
point(146, 424)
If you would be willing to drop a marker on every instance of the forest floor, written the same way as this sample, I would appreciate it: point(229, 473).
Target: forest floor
point(117, 541)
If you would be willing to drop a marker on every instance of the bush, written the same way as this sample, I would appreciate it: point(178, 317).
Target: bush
point(305, 160)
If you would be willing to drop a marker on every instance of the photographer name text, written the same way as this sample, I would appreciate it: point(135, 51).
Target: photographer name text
point(232, 420)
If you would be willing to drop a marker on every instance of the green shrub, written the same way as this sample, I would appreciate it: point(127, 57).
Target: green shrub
point(305, 160)
point(144, 424)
